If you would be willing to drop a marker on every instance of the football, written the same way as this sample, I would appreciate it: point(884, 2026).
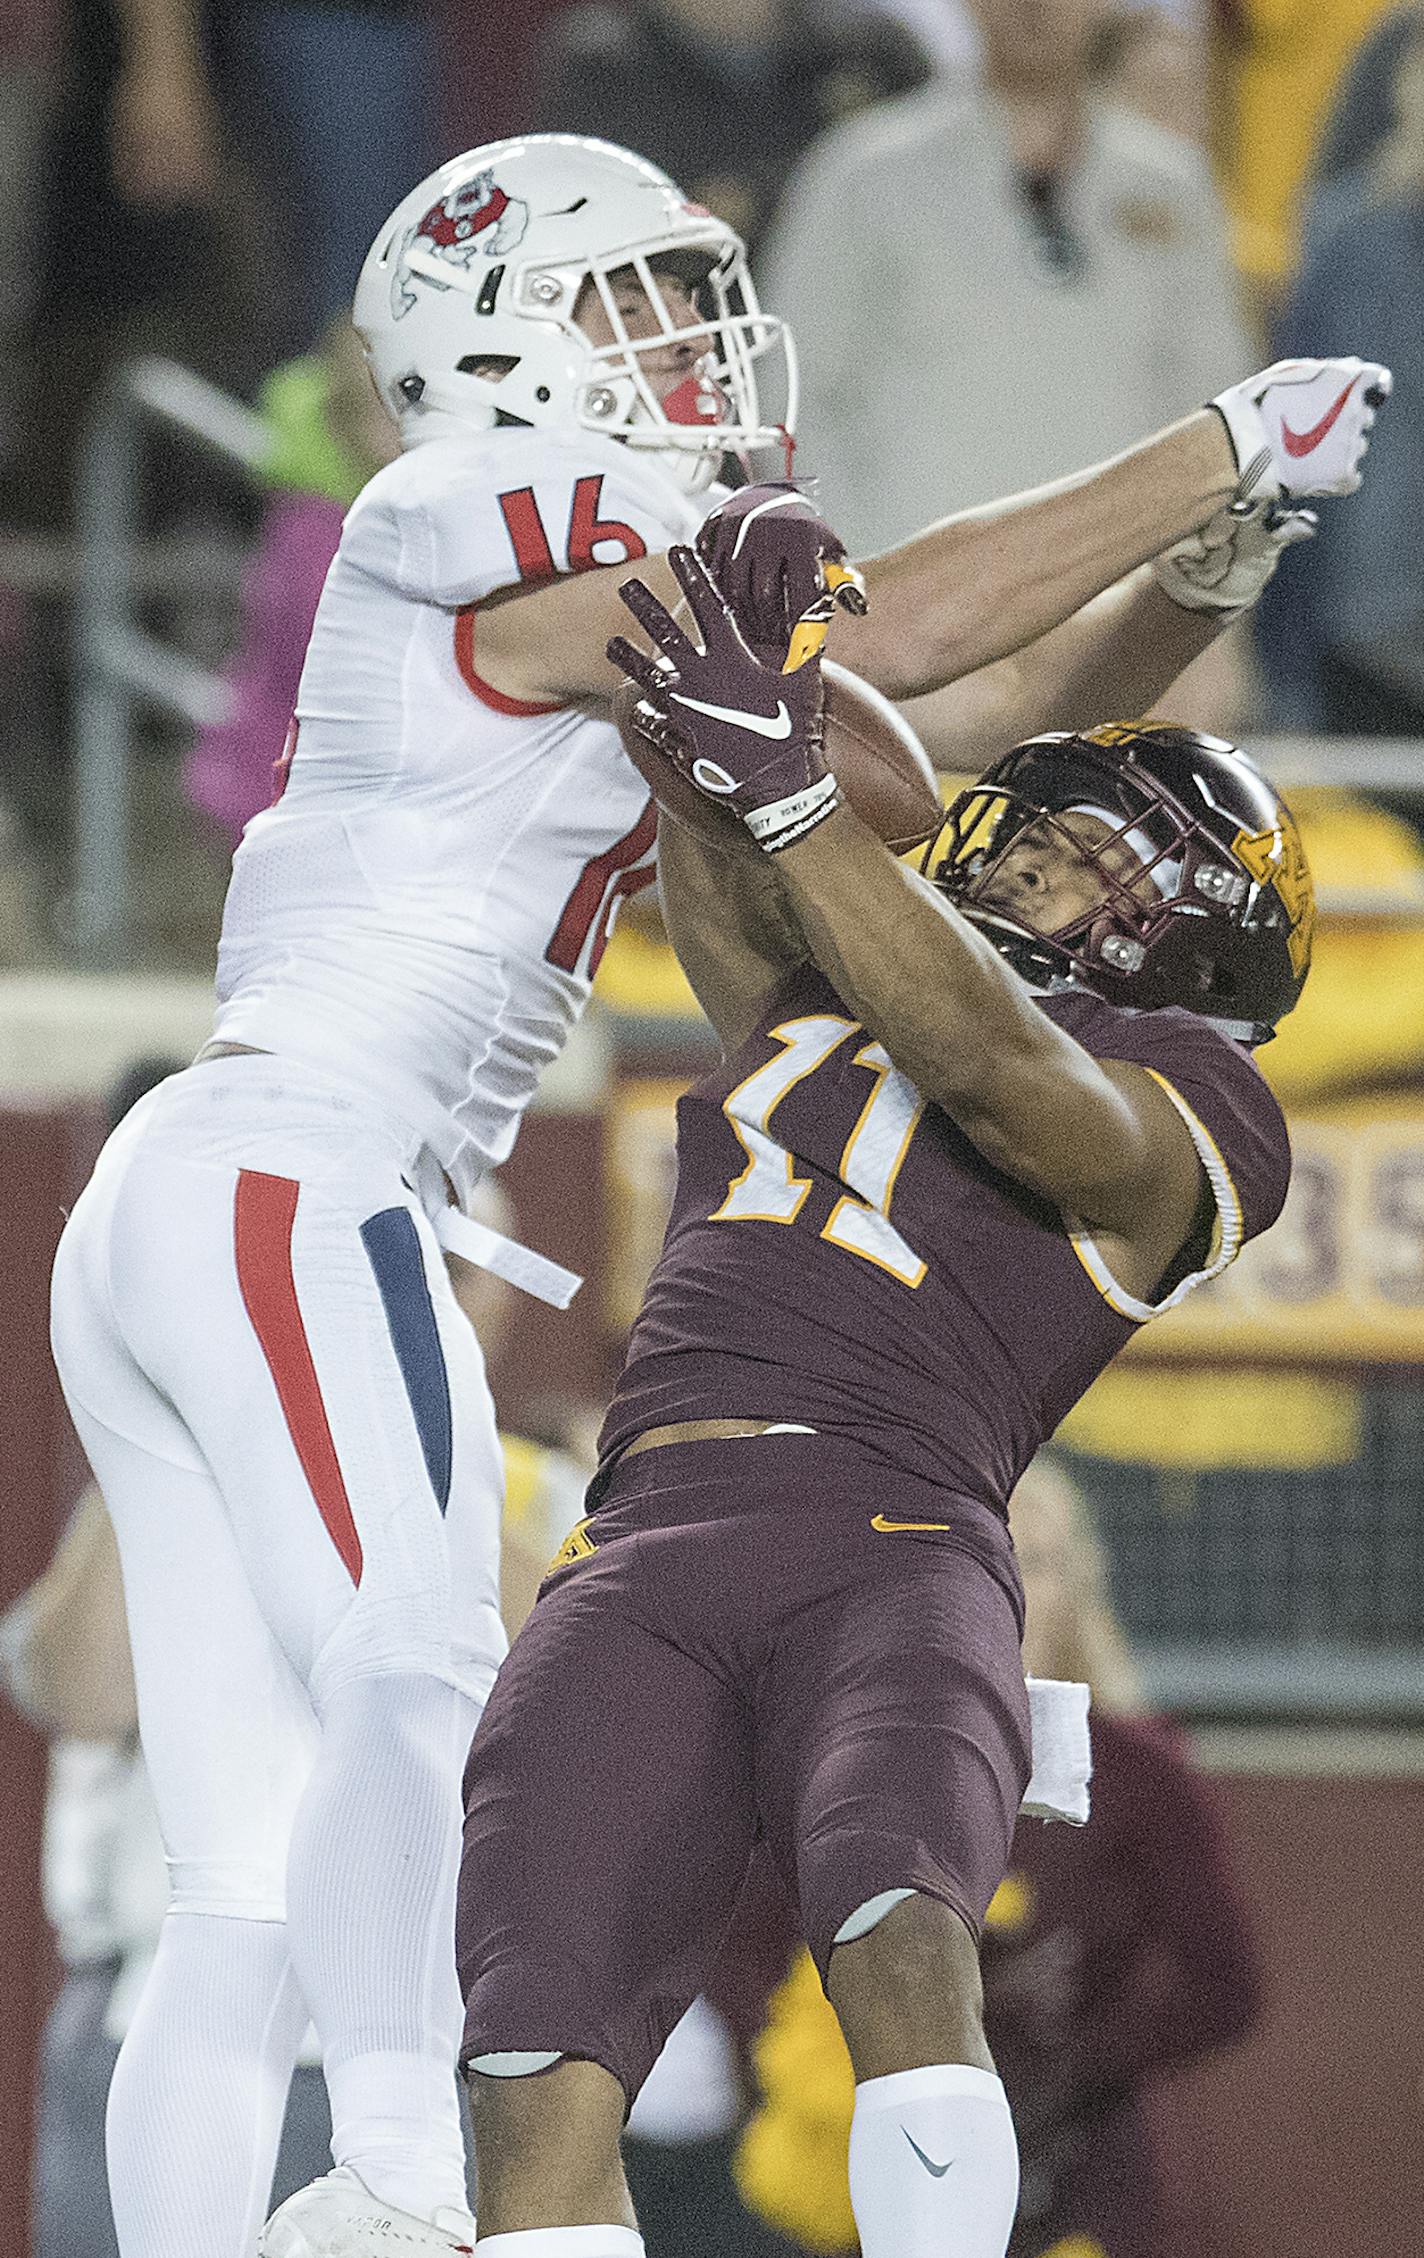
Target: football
point(879, 762)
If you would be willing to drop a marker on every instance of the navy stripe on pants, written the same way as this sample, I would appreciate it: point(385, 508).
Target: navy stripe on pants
point(393, 1247)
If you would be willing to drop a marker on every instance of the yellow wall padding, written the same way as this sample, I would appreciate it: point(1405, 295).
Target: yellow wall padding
point(1201, 1421)
point(1278, 94)
point(1362, 1014)
point(791, 2164)
point(640, 974)
point(524, 1464)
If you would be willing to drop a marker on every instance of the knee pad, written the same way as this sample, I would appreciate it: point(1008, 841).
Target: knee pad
point(388, 1642)
point(229, 1890)
point(513, 2065)
point(870, 1915)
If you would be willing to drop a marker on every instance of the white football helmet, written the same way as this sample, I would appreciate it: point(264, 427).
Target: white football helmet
point(484, 262)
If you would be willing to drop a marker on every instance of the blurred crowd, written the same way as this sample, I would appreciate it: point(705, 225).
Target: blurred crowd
point(1010, 235)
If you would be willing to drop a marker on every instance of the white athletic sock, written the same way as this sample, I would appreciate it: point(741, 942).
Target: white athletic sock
point(934, 2166)
point(371, 1915)
point(203, 2075)
point(564, 2242)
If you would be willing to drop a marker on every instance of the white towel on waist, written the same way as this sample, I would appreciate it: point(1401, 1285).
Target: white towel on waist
point(1062, 1751)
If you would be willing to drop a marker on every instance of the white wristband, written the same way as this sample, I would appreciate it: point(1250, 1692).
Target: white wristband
point(777, 824)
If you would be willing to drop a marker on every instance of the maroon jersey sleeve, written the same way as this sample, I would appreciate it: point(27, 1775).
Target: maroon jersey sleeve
point(1236, 1124)
point(1234, 1121)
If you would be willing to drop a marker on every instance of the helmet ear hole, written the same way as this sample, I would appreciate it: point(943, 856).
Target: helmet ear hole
point(1218, 984)
point(493, 367)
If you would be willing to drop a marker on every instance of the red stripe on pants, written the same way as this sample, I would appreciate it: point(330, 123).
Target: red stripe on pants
point(264, 1210)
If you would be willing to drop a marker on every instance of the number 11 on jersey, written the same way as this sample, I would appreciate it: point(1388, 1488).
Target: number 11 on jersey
point(769, 1190)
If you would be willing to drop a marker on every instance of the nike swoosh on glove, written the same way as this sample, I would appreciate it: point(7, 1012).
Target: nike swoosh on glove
point(781, 568)
point(745, 734)
point(1302, 427)
point(1224, 567)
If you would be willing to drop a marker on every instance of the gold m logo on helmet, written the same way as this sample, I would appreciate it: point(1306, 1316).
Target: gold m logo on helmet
point(1277, 858)
point(1113, 733)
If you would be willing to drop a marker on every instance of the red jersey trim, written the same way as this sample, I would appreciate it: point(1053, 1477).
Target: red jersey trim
point(264, 1210)
point(521, 708)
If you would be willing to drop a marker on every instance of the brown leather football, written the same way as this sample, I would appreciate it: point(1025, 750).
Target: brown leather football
point(882, 768)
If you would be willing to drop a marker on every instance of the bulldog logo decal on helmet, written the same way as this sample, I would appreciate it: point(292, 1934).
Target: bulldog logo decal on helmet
point(476, 219)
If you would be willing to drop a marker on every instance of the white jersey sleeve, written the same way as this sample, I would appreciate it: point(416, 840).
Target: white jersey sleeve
point(446, 531)
point(423, 909)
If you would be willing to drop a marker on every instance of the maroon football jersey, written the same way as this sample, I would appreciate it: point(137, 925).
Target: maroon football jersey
point(840, 1254)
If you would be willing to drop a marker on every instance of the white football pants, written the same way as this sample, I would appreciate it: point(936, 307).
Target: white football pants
point(287, 1414)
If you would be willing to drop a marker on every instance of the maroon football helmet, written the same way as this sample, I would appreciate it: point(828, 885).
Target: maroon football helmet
point(1182, 871)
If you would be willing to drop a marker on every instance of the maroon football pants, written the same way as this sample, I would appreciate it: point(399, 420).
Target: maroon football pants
point(776, 1636)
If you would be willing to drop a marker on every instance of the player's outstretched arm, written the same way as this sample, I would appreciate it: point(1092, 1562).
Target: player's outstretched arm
point(1098, 1138)
point(978, 586)
point(1101, 1139)
point(956, 598)
point(727, 917)
point(1119, 654)
point(995, 579)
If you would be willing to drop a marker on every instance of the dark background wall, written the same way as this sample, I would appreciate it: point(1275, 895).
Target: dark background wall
point(44, 1155)
point(1310, 2136)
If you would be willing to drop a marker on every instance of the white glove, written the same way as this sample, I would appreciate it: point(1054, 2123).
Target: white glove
point(1301, 427)
point(1225, 566)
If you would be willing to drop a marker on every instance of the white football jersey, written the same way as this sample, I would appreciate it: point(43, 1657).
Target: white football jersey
point(424, 907)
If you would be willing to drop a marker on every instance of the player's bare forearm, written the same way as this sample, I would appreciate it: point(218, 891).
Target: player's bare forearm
point(1111, 661)
point(728, 918)
point(955, 598)
point(978, 586)
point(1092, 1136)
point(550, 643)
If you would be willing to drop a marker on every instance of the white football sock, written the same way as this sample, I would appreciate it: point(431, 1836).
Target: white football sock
point(934, 2166)
point(203, 2074)
point(371, 1917)
point(563, 2242)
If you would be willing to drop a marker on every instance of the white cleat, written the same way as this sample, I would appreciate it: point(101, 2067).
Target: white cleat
point(338, 2217)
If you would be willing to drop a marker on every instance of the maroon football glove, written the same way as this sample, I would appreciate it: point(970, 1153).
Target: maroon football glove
point(781, 568)
point(746, 735)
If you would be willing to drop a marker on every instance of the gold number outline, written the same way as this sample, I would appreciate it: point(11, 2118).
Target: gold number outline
point(790, 1033)
point(875, 1058)
point(818, 1035)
